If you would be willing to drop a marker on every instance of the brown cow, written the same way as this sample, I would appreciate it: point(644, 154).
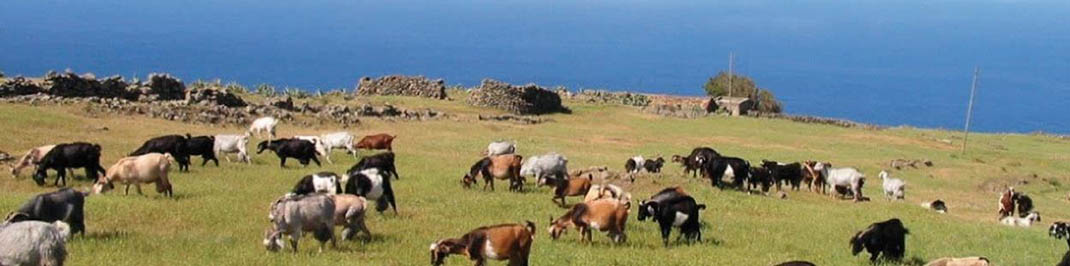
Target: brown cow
point(148, 168)
point(377, 142)
point(505, 166)
point(575, 186)
point(604, 215)
point(498, 242)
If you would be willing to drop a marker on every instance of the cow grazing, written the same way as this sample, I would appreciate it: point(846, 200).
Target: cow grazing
point(148, 168)
point(302, 150)
point(203, 146)
point(383, 161)
point(759, 178)
point(735, 169)
point(338, 140)
point(1026, 221)
point(33, 243)
point(848, 178)
point(606, 215)
point(293, 215)
point(349, 213)
point(813, 176)
point(681, 212)
point(1006, 203)
point(575, 186)
point(372, 185)
point(791, 173)
point(1060, 230)
point(497, 242)
point(263, 125)
point(172, 144)
point(500, 147)
point(893, 187)
point(322, 182)
point(32, 157)
point(1024, 202)
point(377, 142)
point(70, 155)
point(65, 205)
point(232, 144)
point(887, 237)
point(936, 205)
point(506, 166)
point(968, 261)
point(545, 166)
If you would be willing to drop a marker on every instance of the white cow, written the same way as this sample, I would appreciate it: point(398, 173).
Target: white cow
point(232, 144)
point(341, 140)
point(845, 177)
point(893, 187)
point(500, 147)
point(264, 125)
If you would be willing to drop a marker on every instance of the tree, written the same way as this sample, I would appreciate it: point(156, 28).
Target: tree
point(742, 86)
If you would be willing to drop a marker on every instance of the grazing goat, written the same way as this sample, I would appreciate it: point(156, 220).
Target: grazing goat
point(1066, 259)
point(338, 140)
point(294, 215)
point(317, 142)
point(322, 182)
point(383, 161)
point(172, 144)
point(1024, 202)
point(544, 166)
point(634, 164)
point(603, 191)
point(500, 147)
point(506, 166)
point(33, 243)
point(1060, 230)
point(893, 187)
point(372, 185)
point(575, 186)
point(203, 146)
point(377, 142)
point(148, 168)
point(606, 215)
point(681, 212)
point(791, 173)
point(796, 263)
point(936, 205)
point(685, 163)
point(698, 157)
point(1006, 203)
point(735, 169)
point(497, 242)
point(1026, 221)
point(70, 155)
point(232, 144)
point(968, 261)
point(887, 237)
point(760, 178)
point(263, 125)
point(349, 213)
point(813, 176)
point(849, 178)
point(67, 205)
point(302, 150)
point(32, 157)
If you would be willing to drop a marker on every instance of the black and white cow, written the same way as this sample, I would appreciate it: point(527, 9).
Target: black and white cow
point(383, 161)
point(674, 210)
point(203, 146)
point(790, 173)
point(70, 155)
point(735, 169)
point(887, 237)
point(372, 185)
point(65, 205)
point(299, 149)
point(173, 144)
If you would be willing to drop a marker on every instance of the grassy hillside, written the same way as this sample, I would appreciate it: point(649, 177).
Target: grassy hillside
point(218, 215)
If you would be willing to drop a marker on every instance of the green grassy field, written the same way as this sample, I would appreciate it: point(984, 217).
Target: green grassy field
point(219, 214)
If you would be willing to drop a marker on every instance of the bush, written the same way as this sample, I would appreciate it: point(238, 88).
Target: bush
point(742, 86)
point(266, 90)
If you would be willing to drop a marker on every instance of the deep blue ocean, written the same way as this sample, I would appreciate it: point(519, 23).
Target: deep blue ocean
point(885, 62)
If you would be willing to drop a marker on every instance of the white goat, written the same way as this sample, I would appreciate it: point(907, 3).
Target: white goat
point(293, 215)
point(1027, 221)
point(500, 147)
point(33, 243)
point(341, 140)
point(546, 165)
point(845, 177)
point(233, 144)
point(264, 125)
point(893, 187)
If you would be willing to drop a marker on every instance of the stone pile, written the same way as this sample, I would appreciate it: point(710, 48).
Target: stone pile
point(69, 84)
point(522, 100)
point(606, 97)
point(214, 96)
point(676, 110)
point(402, 85)
point(513, 118)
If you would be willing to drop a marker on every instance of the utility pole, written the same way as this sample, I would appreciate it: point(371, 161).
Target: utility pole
point(969, 109)
point(731, 57)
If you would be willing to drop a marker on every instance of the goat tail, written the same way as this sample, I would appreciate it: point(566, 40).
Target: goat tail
point(702, 206)
point(530, 226)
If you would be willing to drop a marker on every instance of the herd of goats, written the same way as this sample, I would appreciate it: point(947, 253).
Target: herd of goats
point(36, 233)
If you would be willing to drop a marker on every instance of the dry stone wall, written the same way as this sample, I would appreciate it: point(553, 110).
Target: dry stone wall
point(522, 100)
point(402, 85)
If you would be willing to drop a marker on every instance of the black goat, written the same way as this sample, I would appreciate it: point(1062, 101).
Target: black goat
point(70, 155)
point(698, 157)
point(887, 237)
point(759, 178)
point(680, 211)
point(299, 149)
point(65, 205)
point(717, 168)
point(784, 173)
point(203, 146)
point(173, 144)
point(383, 161)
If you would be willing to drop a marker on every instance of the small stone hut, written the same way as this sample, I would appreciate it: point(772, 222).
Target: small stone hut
point(522, 100)
point(736, 106)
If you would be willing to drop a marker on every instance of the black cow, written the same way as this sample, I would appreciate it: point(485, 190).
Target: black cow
point(372, 185)
point(719, 167)
point(70, 155)
point(1024, 202)
point(383, 161)
point(676, 211)
point(203, 146)
point(698, 157)
point(759, 178)
point(65, 205)
point(784, 173)
point(299, 149)
point(173, 144)
point(888, 237)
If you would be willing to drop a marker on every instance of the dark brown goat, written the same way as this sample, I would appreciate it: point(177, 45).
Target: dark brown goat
point(497, 242)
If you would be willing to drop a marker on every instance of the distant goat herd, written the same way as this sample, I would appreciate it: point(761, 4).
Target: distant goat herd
point(36, 233)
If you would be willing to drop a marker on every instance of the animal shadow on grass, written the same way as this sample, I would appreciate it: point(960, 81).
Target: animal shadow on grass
point(106, 235)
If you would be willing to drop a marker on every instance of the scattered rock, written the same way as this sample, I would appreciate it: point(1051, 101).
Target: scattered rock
point(5, 156)
point(676, 110)
point(522, 100)
point(513, 118)
point(214, 96)
point(402, 85)
point(606, 97)
point(898, 164)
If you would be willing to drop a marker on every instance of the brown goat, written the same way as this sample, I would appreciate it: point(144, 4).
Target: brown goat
point(32, 157)
point(604, 215)
point(968, 261)
point(575, 186)
point(377, 142)
point(505, 166)
point(813, 177)
point(349, 212)
point(1006, 203)
point(498, 242)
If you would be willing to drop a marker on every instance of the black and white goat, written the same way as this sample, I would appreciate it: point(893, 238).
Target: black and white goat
point(735, 169)
point(673, 209)
point(383, 161)
point(322, 182)
point(371, 184)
